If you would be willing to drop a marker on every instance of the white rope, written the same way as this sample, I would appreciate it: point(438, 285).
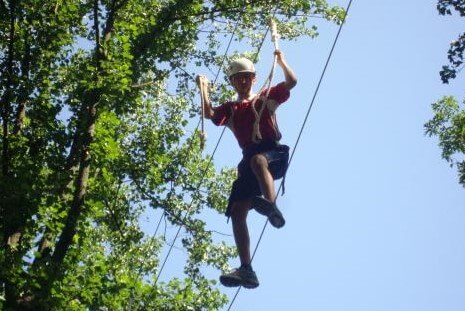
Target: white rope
point(256, 135)
point(203, 135)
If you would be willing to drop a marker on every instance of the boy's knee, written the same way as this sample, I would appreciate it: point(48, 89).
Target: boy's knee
point(258, 161)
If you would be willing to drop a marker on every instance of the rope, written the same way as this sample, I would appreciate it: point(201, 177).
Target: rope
point(300, 133)
point(256, 135)
point(203, 135)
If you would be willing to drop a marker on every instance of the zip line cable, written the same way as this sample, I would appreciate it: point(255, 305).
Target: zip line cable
point(300, 133)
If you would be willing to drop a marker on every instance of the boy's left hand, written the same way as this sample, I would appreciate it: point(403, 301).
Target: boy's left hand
point(279, 56)
point(290, 78)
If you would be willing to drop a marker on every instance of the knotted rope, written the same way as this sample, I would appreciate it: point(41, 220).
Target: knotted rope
point(203, 134)
point(256, 135)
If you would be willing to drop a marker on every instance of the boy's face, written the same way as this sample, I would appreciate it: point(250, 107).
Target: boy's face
point(243, 82)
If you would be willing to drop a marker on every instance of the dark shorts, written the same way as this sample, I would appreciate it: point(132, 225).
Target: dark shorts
point(246, 185)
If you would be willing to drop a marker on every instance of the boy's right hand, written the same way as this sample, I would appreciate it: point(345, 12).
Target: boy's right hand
point(201, 80)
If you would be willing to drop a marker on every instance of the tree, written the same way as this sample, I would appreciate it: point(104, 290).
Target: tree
point(448, 122)
point(455, 53)
point(94, 135)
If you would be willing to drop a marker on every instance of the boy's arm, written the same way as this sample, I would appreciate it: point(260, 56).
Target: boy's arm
point(289, 75)
point(208, 111)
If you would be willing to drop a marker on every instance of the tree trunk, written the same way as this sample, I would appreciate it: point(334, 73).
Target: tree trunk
point(81, 145)
point(69, 230)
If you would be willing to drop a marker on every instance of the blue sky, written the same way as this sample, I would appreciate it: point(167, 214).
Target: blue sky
point(375, 218)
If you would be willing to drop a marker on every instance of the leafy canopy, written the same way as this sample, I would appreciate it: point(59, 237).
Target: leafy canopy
point(448, 122)
point(97, 117)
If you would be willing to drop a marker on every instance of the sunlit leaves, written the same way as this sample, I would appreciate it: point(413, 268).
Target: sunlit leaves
point(457, 47)
point(135, 71)
point(448, 124)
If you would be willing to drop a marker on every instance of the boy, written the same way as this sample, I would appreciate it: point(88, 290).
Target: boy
point(252, 120)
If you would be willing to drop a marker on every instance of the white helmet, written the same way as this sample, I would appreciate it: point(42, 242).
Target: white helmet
point(240, 65)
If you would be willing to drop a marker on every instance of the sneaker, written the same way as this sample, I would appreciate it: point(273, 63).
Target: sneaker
point(270, 210)
point(242, 276)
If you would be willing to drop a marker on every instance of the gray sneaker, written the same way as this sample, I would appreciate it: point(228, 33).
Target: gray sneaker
point(242, 276)
point(270, 210)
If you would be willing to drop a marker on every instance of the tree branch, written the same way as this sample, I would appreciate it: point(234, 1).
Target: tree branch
point(90, 103)
point(6, 101)
point(25, 67)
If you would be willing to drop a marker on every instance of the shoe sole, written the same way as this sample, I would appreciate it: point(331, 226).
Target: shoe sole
point(250, 285)
point(233, 282)
point(230, 282)
point(270, 210)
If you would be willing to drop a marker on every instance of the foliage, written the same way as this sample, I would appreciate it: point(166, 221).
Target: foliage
point(96, 114)
point(448, 122)
point(457, 47)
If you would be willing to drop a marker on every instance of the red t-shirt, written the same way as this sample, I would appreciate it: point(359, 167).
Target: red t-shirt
point(239, 116)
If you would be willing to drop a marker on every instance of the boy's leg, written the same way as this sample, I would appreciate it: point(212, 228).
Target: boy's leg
point(239, 212)
point(259, 165)
point(267, 206)
point(244, 275)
